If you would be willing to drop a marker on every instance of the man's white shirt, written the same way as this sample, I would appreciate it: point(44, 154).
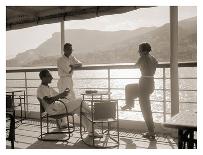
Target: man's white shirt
point(64, 63)
point(43, 91)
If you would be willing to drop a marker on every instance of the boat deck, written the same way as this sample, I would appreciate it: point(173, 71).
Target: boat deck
point(27, 138)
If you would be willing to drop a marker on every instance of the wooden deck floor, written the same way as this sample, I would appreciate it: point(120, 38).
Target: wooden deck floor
point(28, 132)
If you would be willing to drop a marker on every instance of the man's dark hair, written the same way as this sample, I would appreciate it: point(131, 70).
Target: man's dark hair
point(67, 46)
point(43, 73)
point(145, 47)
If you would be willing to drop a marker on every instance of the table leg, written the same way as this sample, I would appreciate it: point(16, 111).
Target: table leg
point(180, 137)
point(13, 106)
point(21, 111)
point(109, 126)
point(102, 128)
point(25, 110)
point(191, 140)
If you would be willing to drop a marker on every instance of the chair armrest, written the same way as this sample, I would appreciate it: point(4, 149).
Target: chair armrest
point(63, 104)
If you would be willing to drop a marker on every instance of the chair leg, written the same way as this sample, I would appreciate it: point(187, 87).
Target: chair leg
point(71, 128)
point(12, 144)
point(68, 123)
point(73, 122)
point(47, 124)
point(41, 127)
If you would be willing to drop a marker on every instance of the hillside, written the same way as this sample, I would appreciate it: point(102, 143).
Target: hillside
point(113, 47)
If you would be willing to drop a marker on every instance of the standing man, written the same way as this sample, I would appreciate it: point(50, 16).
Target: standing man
point(66, 65)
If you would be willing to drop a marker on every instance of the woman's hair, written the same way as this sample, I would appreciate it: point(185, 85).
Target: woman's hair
point(145, 47)
point(43, 73)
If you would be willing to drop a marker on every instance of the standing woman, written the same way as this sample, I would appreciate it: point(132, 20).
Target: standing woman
point(147, 64)
point(65, 65)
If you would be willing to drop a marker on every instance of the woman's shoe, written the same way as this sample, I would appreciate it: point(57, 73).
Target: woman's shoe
point(126, 107)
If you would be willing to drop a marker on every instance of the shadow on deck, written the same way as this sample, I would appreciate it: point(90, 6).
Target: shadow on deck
point(27, 133)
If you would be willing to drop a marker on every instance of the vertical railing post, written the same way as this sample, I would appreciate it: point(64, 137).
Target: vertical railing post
point(109, 82)
point(164, 94)
point(26, 91)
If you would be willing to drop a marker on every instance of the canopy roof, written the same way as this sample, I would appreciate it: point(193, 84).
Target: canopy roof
point(18, 17)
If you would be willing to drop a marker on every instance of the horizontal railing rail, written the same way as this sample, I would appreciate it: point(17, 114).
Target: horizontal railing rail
point(97, 67)
point(108, 67)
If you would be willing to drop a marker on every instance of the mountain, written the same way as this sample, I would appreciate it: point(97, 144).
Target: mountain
point(113, 47)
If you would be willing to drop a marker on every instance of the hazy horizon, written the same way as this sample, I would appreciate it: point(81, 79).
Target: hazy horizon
point(147, 17)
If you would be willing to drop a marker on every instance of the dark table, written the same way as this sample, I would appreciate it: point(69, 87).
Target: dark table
point(186, 123)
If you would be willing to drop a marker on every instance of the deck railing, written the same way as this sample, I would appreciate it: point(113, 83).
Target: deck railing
point(27, 78)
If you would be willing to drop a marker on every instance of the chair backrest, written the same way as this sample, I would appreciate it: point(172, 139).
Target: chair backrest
point(104, 109)
point(9, 103)
point(42, 109)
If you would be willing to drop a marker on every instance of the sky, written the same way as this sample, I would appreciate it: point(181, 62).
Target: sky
point(17, 40)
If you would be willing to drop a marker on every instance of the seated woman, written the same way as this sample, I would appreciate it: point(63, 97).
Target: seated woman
point(49, 96)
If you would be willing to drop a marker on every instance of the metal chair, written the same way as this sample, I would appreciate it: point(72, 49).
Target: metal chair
point(11, 106)
point(44, 115)
point(102, 112)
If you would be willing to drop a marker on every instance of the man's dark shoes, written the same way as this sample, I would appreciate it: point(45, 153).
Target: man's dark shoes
point(96, 135)
point(149, 136)
point(60, 125)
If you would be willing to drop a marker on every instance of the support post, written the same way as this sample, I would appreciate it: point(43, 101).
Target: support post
point(174, 60)
point(62, 36)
